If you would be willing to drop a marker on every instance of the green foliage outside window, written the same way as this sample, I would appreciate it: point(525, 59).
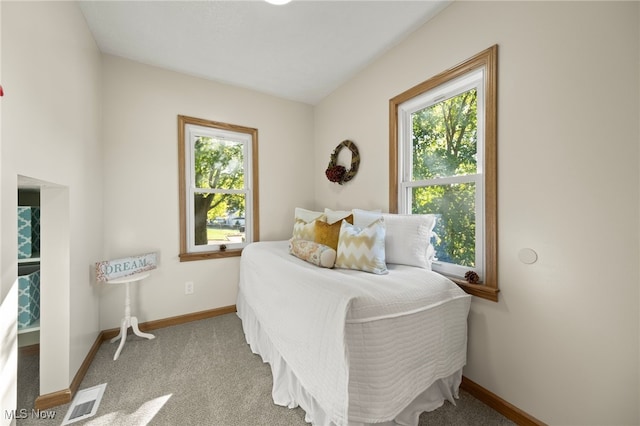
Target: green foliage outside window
point(445, 145)
point(218, 165)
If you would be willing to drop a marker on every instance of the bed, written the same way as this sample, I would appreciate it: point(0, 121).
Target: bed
point(352, 347)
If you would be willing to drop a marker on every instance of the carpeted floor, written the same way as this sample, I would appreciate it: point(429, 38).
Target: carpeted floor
point(199, 373)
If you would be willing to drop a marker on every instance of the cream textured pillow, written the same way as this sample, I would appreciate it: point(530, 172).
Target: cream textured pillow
point(308, 215)
point(312, 252)
point(407, 238)
point(362, 249)
point(363, 218)
point(334, 216)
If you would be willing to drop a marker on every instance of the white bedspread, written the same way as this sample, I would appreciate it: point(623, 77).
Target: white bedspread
point(362, 345)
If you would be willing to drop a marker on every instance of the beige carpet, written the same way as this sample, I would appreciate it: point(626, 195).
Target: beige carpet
point(200, 373)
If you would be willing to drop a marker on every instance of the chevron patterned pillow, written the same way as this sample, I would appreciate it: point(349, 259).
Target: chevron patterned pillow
point(304, 230)
point(304, 225)
point(362, 248)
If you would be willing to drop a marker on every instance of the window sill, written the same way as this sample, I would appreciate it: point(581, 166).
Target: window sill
point(188, 257)
point(480, 290)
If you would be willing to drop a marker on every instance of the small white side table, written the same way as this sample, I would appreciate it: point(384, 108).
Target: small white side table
point(128, 320)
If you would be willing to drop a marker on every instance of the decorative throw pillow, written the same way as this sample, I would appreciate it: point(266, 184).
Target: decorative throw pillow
point(363, 218)
point(308, 215)
point(408, 236)
point(362, 248)
point(312, 252)
point(304, 225)
point(334, 216)
point(328, 233)
point(303, 230)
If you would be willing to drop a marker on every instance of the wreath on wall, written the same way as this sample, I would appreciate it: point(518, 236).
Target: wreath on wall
point(337, 173)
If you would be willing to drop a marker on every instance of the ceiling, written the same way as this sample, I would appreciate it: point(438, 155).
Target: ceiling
point(301, 51)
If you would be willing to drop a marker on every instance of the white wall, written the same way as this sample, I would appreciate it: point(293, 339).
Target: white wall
point(563, 342)
point(51, 133)
point(141, 105)
point(8, 310)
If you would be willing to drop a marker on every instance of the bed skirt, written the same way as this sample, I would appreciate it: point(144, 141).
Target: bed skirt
point(288, 392)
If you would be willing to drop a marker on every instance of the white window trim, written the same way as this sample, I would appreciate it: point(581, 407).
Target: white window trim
point(193, 131)
point(474, 79)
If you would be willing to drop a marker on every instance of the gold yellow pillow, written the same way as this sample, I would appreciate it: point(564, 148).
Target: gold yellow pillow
point(328, 233)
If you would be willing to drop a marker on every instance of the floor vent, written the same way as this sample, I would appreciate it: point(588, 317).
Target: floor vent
point(85, 404)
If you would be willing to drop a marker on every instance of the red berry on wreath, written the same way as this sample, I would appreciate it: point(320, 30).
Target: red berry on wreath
point(335, 173)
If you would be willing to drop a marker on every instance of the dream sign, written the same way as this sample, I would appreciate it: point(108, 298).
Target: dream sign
point(111, 269)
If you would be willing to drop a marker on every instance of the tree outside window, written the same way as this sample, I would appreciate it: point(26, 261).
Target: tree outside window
point(218, 184)
point(444, 145)
point(443, 161)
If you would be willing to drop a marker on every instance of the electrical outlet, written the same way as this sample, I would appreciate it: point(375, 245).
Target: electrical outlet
point(188, 287)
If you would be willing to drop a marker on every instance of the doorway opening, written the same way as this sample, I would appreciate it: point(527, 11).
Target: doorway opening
point(44, 271)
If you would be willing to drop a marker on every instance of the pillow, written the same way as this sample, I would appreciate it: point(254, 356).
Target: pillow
point(362, 248)
point(303, 230)
point(363, 218)
point(307, 215)
point(334, 216)
point(408, 236)
point(312, 252)
point(304, 225)
point(408, 239)
point(328, 233)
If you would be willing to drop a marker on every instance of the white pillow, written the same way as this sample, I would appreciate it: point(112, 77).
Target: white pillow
point(363, 218)
point(408, 237)
point(408, 240)
point(307, 215)
point(334, 216)
point(362, 249)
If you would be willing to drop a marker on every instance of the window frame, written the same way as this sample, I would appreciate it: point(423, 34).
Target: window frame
point(249, 137)
point(472, 80)
point(487, 61)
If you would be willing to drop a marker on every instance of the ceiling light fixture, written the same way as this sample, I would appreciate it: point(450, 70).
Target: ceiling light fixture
point(278, 2)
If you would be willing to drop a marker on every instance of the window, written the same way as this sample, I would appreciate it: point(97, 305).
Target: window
point(443, 161)
point(218, 168)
